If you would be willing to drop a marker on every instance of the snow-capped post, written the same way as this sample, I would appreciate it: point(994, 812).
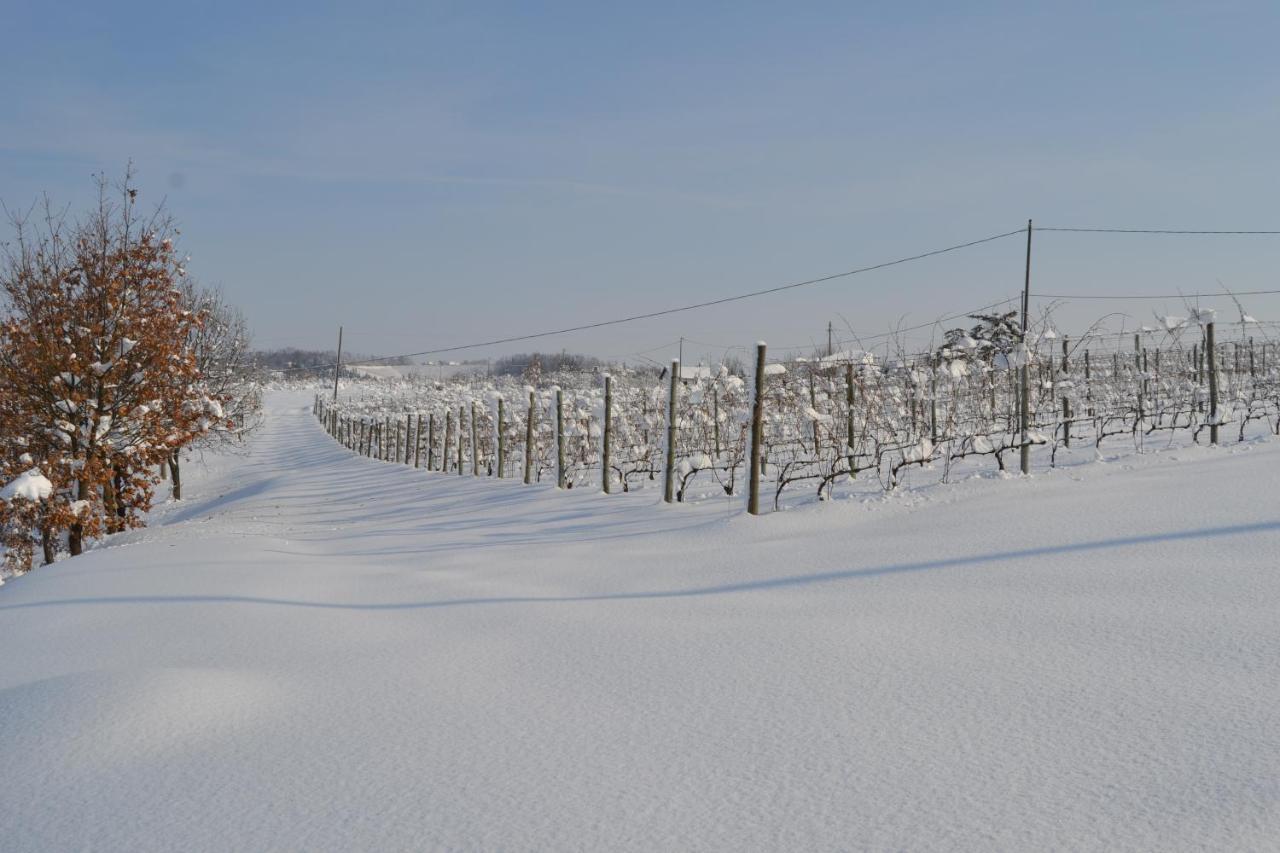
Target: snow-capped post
point(1211, 356)
point(502, 438)
point(757, 434)
point(607, 447)
point(337, 365)
point(1024, 404)
point(528, 440)
point(669, 483)
point(560, 467)
point(475, 445)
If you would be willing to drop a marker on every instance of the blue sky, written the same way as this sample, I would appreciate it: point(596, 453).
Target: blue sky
point(432, 174)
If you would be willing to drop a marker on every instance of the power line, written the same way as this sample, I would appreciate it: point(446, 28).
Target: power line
point(1153, 231)
point(708, 304)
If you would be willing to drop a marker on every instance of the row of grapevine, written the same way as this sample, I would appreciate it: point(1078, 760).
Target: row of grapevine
point(844, 417)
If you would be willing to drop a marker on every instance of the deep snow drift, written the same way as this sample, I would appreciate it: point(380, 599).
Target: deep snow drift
point(317, 651)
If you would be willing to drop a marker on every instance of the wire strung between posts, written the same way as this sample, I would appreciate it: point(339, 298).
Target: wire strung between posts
point(667, 311)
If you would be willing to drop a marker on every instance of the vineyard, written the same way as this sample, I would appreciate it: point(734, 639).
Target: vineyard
point(846, 420)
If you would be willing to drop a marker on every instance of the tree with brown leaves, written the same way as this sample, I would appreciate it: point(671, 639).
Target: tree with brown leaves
point(99, 383)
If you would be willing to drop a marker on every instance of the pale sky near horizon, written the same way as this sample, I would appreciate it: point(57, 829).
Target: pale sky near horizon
point(430, 174)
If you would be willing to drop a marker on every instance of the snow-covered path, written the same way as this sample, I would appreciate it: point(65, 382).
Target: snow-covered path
point(319, 652)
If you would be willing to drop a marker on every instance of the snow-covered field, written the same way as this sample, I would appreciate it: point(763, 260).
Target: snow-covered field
point(321, 652)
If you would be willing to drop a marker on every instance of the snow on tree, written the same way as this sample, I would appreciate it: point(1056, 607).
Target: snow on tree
point(97, 377)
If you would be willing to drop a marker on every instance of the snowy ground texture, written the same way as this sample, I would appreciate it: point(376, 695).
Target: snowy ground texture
point(320, 652)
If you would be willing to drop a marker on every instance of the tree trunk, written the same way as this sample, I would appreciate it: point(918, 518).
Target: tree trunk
point(46, 543)
point(175, 473)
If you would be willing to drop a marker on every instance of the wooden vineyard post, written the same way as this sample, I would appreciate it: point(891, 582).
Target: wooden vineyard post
point(502, 438)
point(1211, 364)
point(933, 404)
point(1088, 386)
point(448, 440)
point(848, 402)
point(528, 441)
point(669, 482)
point(1066, 421)
point(1024, 408)
point(475, 445)
point(607, 447)
point(757, 434)
point(813, 404)
point(430, 441)
point(461, 444)
point(417, 443)
point(560, 471)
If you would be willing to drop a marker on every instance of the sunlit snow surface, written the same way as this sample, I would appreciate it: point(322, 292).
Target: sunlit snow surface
point(321, 652)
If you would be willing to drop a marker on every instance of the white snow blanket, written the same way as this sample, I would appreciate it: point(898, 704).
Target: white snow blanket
point(321, 652)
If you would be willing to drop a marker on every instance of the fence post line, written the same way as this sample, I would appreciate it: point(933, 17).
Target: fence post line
point(669, 482)
point(757, 434)
point(502, 439)
point(607, 447)
point(528, 441)
point(1211, 356)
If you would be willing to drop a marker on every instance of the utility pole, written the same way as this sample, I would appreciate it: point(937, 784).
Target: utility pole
point(1024, 410)
point(337, 365)
point(830, 351)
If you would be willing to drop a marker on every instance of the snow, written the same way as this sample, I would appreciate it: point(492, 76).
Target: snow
point(32, 485)
point(317, 651)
